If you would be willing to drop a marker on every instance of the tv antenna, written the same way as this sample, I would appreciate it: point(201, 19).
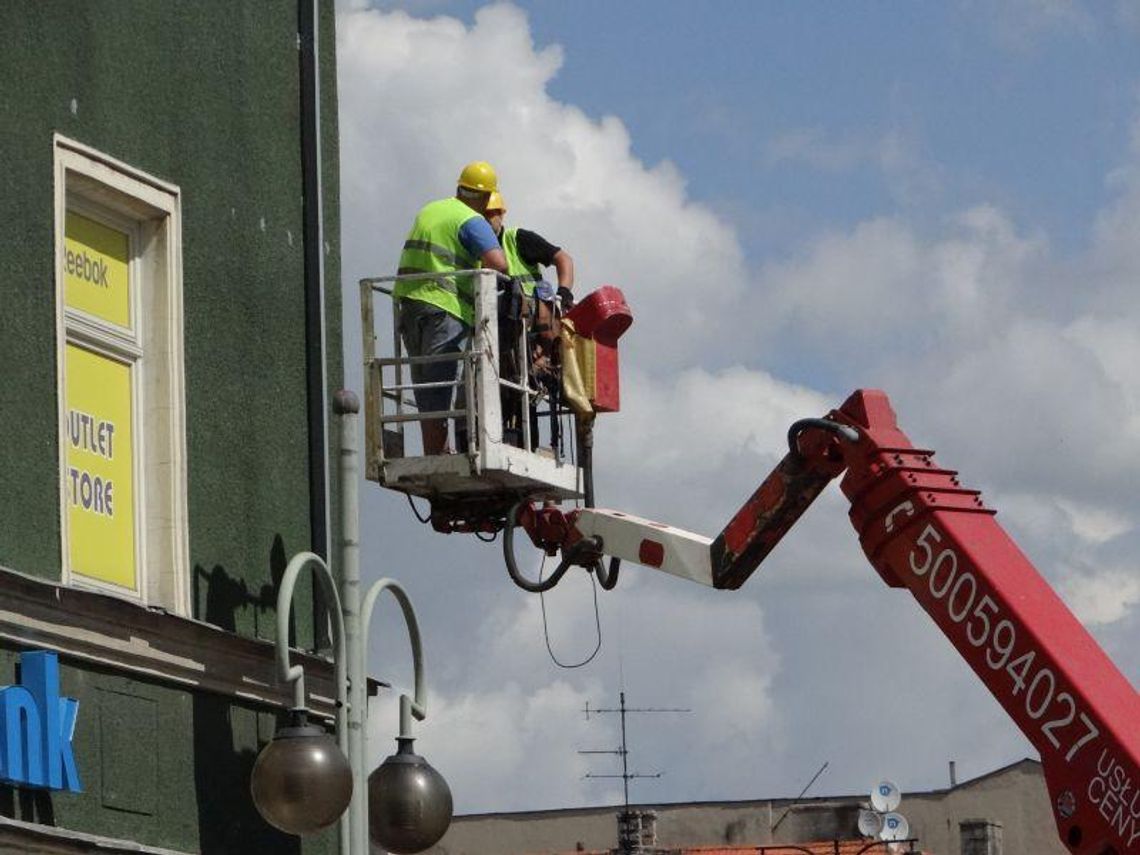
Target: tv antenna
point(623, 751)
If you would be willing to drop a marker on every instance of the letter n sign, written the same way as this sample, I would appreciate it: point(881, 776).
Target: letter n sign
point(37, 726)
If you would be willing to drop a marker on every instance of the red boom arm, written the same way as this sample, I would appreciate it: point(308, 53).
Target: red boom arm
point(922, 530)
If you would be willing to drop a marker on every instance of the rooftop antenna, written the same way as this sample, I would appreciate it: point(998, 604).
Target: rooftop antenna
point(623, 751)
point(796, 800)
point(636, 830)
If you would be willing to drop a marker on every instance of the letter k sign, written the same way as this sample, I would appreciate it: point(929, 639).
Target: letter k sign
point(37, 727)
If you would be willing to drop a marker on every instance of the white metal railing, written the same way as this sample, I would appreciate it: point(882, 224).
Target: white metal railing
point(390, 404)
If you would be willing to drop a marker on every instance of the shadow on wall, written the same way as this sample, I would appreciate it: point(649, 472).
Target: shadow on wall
point(227, 601)
point(228, 736)
point(226, 598)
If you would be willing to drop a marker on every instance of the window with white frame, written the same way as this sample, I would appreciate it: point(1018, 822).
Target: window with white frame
point(120, 378)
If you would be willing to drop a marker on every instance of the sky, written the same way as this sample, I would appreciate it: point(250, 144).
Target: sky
point(798, 200)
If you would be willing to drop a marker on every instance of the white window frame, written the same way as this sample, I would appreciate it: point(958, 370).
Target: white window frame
point(148, 210)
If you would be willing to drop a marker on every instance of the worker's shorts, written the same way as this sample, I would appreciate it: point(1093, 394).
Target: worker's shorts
point(428, 330)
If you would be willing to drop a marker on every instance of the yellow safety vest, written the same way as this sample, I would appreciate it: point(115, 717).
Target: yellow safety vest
point(526, 274)
point(433, 246)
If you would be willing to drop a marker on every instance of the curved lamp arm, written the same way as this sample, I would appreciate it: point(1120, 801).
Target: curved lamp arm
point(408, 706)
point(295, 674)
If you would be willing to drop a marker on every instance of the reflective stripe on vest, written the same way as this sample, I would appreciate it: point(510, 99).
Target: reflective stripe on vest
point(433, 246)
point(526, 274)
point(442, 253)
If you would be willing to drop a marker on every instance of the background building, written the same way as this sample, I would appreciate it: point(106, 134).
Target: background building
point(165, 358)
point(1006, 812)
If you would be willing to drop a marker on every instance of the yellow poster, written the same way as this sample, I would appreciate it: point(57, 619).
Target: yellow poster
point(98, 475)
point(95, 270)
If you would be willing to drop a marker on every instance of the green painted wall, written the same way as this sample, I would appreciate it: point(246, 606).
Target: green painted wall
point(159, 766)
point(205, 96)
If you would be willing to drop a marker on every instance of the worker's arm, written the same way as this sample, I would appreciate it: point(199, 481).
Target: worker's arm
point(494, 259)
point(535, 249)
point(564, 267)
point(479, 240)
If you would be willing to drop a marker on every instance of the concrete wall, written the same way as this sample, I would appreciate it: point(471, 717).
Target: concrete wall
point(1014, 796)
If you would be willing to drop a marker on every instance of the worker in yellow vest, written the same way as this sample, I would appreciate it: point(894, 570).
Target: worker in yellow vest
point(436, 314)
point(527, 253)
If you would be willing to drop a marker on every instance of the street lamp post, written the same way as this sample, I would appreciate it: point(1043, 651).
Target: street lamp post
point(301, 781)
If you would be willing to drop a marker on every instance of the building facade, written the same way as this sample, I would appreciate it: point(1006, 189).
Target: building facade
point(167, 351)
point(1006, 812)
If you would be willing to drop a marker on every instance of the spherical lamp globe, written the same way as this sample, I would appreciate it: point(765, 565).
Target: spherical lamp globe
point(302, 781)
point(409, 803)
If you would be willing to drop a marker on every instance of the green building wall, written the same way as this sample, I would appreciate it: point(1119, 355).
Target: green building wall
point(160, 766)
point(206, 96)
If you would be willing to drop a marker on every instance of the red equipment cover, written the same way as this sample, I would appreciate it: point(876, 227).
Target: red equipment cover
point(603, 316)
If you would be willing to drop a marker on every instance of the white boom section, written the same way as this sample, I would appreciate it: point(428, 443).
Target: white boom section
point(653, 544)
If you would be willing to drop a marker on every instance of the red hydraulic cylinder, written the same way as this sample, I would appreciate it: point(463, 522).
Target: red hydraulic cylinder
point(921, 529)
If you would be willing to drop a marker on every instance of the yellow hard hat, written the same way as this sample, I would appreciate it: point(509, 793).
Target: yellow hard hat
point(479, 175)
point(496, 203)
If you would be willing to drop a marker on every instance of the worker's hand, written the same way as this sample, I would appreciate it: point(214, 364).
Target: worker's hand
point(566, 298)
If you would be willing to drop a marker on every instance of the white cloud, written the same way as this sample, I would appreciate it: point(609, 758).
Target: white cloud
point(1019, 369)
point(1116, 254)
point(404, 90)
point(881, 289)
point(507, 731)
point(1095, 524)
point(1103, 597)
point(683, 428)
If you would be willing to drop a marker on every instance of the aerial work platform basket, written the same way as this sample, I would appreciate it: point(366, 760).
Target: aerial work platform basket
point(473, 489)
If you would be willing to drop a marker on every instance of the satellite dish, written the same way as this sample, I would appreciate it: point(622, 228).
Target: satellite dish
point(885, 797)
point(895, 827)
point(870, 823)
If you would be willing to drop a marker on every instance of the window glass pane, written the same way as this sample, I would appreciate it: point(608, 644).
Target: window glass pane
point(99, 472)
point(95, 270)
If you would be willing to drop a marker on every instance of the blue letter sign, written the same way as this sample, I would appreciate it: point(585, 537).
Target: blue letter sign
point(37, 726)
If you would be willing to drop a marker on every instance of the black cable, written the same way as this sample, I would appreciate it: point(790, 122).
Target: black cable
point(412, 505)
point(546, 629)
point(607, 579)
point(513, 567)
point(842, 431)
point(586, 456)
point(490, 539)
point(574, 452)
